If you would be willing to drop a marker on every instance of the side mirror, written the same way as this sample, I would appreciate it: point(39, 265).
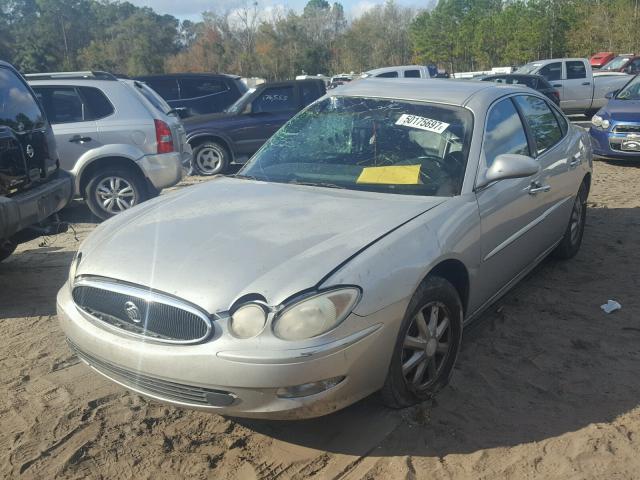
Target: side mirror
point(610, 95)
point(509, 165)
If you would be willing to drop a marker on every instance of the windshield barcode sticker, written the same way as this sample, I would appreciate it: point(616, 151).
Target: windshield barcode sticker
point(422, 123)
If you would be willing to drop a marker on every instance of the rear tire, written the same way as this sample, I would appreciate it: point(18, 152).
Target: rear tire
point(112, 191)
point(7, 247)
point(427, 345)
point(572, 239)
point(210, 158)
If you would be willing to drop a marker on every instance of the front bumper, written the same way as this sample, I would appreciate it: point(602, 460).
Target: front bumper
point(35, 205)
point(175, 373)
point(607, 143)
point(166, 169)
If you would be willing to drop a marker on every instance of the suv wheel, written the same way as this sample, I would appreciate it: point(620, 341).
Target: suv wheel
point(427, 345)
point(210, 158)
point(110, 192)
point(7, 247)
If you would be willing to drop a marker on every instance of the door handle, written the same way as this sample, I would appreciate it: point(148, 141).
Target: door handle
point(79, 139)
point(537, 187)
point(586, 83)
point(557, 85)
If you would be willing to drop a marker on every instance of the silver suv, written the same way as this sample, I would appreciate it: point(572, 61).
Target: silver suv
point(118, 138)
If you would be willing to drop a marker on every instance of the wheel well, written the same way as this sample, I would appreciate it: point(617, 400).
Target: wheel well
point(211, 138)
point(587, 182)
point(455, 273)
point(104, 163)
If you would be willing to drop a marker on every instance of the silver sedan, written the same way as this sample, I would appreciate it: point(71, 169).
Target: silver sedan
point(345, 258)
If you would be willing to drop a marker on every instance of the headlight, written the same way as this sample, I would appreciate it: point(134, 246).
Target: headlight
point(605, 124)
point(315, 315)
point(596, 121)
point(248, 321)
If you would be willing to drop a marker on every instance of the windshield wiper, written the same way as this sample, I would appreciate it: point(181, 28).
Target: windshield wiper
point(245, 177)
point(317, 184)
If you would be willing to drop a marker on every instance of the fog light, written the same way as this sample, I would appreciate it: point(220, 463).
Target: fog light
point(306, 389)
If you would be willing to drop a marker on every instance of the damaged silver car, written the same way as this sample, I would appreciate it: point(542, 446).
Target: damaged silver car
point(345, 258)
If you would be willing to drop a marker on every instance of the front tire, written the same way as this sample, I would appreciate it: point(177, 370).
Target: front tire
point(427, 345)
point(572, 239)
point(210, 158)
point(112, 191)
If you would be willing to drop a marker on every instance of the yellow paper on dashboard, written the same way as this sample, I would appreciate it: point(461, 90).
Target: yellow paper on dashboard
point(395, 175)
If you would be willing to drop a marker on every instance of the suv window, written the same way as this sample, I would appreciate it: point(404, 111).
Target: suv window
point(275, 99)
point(505, 132)
point(634, 66)
point(552, 72)
point(167, 88)
point(388, 75)
point(200, 87)
point(412, 73)
point(576, 70)
point(62, 104)
point(543, 123)
point(98, 106)
point(309, 93)
point(18, 109)
point(151, 97)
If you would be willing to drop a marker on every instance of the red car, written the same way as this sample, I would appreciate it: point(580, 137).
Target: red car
point(601, 58)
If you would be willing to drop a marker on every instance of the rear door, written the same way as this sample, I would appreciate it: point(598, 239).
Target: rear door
point(577, 93)
point(73, 125)
point(25, 123)
point(509, 213)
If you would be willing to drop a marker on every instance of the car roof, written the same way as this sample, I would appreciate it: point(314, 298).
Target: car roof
point(451, 92)
point(186, 75)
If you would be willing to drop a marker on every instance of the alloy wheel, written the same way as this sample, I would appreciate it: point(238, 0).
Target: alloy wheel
point(576, 220)
point(209, 160)
point(427, 345)
point(115, 194)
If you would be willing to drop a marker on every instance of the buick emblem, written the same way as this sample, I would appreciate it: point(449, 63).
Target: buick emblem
point(30, 151)
point(133, 312)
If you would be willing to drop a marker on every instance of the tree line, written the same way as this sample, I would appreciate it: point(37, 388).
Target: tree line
point(58, 35)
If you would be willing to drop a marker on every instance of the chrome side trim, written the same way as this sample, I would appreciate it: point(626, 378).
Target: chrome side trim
point(525, 229)
point(147, 295)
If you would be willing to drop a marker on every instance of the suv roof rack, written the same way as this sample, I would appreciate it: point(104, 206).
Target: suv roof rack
point(88, 75)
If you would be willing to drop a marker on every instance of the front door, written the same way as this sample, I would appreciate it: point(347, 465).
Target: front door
point(577, 93)
point(509, 211)
point(70, 119)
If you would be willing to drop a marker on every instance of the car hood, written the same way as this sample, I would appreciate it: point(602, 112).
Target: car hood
point(213, 243)
point(623, 110)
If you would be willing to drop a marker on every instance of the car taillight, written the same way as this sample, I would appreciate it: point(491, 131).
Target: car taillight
point(163, 137)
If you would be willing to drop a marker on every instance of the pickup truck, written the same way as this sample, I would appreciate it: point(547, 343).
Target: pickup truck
point(232, 136)
point(33, 188)
point(404, 71)
point(580, 91)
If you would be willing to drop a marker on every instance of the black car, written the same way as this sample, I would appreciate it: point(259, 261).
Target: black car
point(197, 93)
point(236, 134)
point(32, 186)
point(532, 81)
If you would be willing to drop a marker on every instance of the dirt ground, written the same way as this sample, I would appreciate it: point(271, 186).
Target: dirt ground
point(547, 385)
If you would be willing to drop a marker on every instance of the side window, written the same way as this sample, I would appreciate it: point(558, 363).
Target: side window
point(388, 75)
point(541, 120)
point(200, 87)
point(167, 88)
point(552, 72)
point(309, 93)
point(576, 70)
point(505, 132)
point(498, 80)
point(412, 73)
point(62, 104)
point(275, 99)
point(98, 106)
point(634, 67)
point(18, 109)
point(562, 121)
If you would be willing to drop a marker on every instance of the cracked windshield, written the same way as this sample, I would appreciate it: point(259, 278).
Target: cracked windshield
point(370, 144)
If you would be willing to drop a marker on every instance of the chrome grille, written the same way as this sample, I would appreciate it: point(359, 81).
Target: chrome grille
point(141, 312)
point(156, 387)
point(626, 128)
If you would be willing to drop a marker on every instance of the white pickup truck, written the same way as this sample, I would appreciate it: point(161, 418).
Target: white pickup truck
point(404, 71)
point(580, 91)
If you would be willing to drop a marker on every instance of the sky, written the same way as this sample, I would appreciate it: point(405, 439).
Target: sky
point(192, 9)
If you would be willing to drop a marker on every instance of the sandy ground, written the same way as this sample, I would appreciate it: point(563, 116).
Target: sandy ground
point(547, 385)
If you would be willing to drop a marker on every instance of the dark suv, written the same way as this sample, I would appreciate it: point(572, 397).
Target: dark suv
point(196, 93)
point(32, 186)
point(236, 134)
